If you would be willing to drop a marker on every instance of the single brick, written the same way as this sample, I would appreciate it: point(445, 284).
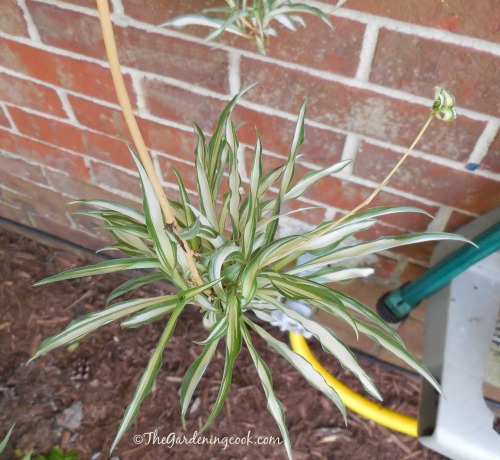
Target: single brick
point(460, 189)
point(70, 234)
point(108, 176)
point(18, 167)
point(457, 220)
point(186, 171)
point(12, 20)
point(141, 50)
point(155, 13)
point(412, 272)
point(72, 138)
point(175, 104)
point(157, 136)
point(34, 199)
point(357, 110)
point(385, 268)
point(44, 154)
point(31, 95)
point(72, 188)
point(492, 159)
point(317, 46)
point(409, 63)
point(89, 4)
point(460, 16)
point(4, 121)
point(13, 213)
point(72, 74)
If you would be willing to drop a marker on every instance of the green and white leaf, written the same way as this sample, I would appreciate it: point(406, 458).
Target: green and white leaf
point(82, 326)
point(165, 248)
point(331, 275)
point(382, 244)
point(117, 207)
point(134, 283)
point(147, 379)
point(193, 376)
point(219, 329)
point(101, 268)
point(302, 365)
point(150, 314)
point(399, 350)
point(273, 404)
point(332, 344)
point(233, 347)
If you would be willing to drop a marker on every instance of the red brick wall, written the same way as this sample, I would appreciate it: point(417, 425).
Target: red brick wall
point(369, 84)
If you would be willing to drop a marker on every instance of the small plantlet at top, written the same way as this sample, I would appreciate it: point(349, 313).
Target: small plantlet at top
point(252, 20)
point(242, 267)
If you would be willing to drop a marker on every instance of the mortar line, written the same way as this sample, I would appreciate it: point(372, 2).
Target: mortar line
point(30, 24)
point(367, 53)
point(234, 60)
point(13, 126)
point(63, 96)
point(484, 141)
point(441, 218)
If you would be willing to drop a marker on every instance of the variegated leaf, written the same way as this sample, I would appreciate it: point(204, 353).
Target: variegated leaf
point(148, 378)
point(102, 267)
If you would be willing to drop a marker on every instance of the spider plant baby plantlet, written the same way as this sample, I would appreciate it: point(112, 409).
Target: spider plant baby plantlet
point(244, 267)
point(251, 20)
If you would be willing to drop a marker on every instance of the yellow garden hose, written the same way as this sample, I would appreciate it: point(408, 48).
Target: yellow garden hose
point(352, 400)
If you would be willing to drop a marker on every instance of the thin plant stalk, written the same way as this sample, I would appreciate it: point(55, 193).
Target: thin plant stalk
point(135, 132)
point(388, 177)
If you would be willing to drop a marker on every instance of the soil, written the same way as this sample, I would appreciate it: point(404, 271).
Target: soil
point(76, 398)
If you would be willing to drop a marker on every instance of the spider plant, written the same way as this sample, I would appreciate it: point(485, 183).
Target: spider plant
point(246, 271)
point(251, 20)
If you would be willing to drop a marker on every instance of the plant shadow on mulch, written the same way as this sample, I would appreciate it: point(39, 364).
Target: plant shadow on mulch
point(75, 399)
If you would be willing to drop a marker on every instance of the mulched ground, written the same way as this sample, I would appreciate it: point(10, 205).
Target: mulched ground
point(75, 399)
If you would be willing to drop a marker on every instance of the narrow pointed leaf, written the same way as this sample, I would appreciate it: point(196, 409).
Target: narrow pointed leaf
point(117, 207)
point(233, 347)
point(253, 204)
point(371, 247)
point(134, 283)
point(273, 404)
point(148, 378)
point(165, 248)
point(218, 330)
point(312, 177)
point(400, 351)
point(193, 376)
point(80, 327)
point(303, 366)
point(5, 440)
point(330, 342)
point(151, 314)
point(102, 267)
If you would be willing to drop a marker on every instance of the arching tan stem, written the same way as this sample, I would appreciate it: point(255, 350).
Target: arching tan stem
point(128, 114)
point(388, 177)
